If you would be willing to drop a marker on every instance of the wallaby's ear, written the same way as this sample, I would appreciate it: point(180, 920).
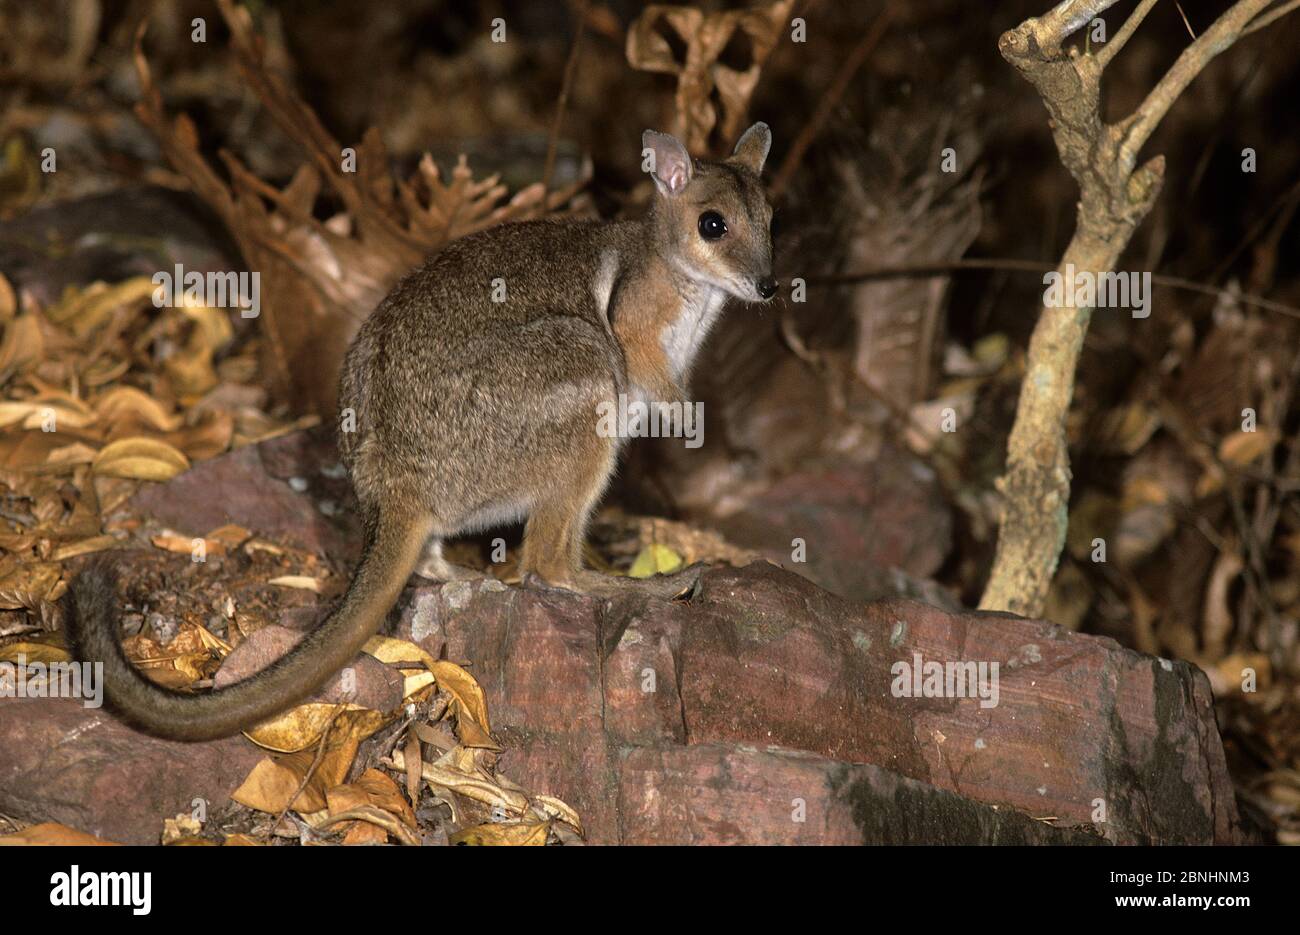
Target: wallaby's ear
point(752, 147)
point(667, 161)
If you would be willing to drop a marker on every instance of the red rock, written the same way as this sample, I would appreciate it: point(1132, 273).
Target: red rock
point(249, 487)
point(868, 530)
point(85, 768)
point(722, 794)
point(702, 719)
point(370, 683)
point(1081, 724)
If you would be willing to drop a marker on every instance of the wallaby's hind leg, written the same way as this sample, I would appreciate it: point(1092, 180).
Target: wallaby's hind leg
point(557, 525)
point(436, 568)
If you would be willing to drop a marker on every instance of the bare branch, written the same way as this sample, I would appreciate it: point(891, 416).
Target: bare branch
point(826, 106)
point(1114, 199)
point(1065, 19)
point(1270, 16)
point(1112, 48)
point(1220, 36)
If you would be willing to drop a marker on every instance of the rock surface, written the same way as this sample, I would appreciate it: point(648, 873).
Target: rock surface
point(868, 530)
point(758, 687)
point(291, 489)
point(366, 682)
point(83, 767)
point(738, 705)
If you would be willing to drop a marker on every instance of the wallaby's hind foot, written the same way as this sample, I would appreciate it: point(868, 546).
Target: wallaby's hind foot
point(433, 567)
point(557, 526)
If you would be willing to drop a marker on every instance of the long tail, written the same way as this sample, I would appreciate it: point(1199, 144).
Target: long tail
point(392, 552)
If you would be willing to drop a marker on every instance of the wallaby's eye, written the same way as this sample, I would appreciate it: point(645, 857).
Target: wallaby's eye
point(712, 226)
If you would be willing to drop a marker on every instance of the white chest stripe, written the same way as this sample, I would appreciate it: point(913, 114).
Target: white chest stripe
point(682, 337)
point(602, 286)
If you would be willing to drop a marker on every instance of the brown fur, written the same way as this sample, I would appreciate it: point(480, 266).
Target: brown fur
point(459, 412)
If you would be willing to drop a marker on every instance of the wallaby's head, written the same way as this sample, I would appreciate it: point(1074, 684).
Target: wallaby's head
point(711, 219)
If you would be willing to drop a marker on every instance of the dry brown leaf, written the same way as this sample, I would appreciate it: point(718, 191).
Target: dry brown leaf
point(299, 582)
point(1216, 616)
point(478, 788)
point(210, 436)
point(76, 453)
point(34, 652)
point(273, 782)
point(84, 310)
point(83, 547)
point(1243, 448)
point(373, 789)
point(509, 834)
point(467, 692)
point(170, 541)
point(51, 412)
point(302, 725)
point(383, 820)
point(126, 402)
point(414, 760)
point(28, 585)
point(473, 726)
point(23, 344)
point(701, 77)
point(558, 810)
point(179, 664)
point(8, 301)
point(229, 537)
point(52, 834)
point(364, 832)
point(140, 459)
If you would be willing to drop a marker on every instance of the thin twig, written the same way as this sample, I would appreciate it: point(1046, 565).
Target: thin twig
point(926, 270)
point(1112, 48)
point(311, 770)
point(832, 97)
point(1220, 36)
point(570, 67)
point(1274, 14)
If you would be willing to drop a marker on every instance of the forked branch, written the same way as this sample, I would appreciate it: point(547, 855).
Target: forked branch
point(1114, 198)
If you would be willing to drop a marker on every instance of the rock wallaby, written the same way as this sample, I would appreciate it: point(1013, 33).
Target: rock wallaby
point(470, 399)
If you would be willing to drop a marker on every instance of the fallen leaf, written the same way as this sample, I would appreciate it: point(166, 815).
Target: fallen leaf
point(28, 585)
point(655, 559)
point(83, 547)
point(34, 652)
point(123, 402)
point(509, 834)
point(53, 834)
point(140, 459)
point(273, 782)
point(300, 727)
point(301, 582)
point(1243, 448)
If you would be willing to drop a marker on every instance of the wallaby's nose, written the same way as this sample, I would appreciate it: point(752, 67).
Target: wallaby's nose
point(767, 287)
